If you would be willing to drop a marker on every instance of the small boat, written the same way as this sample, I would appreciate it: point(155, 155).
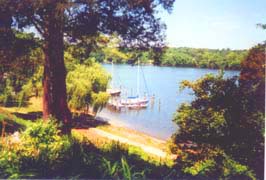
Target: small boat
point(114, 92)
point(134, 100)
point(137, 106)
point(115, 103)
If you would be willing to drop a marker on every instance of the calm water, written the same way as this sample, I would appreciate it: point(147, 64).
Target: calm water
point(163, 83)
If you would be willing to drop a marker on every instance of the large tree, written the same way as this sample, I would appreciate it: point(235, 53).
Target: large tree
point(56, 20)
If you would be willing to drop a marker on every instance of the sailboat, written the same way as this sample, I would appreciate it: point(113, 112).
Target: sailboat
point(113, 91)
point(136, 101)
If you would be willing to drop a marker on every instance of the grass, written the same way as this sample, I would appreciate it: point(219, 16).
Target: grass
point(16, 118)
point(35, 105)
point(11, 122)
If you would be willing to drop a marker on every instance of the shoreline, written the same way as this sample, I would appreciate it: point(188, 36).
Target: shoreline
point(112, 126)
point(118, 129)
point(102, 133)
point(119, 124)
point(177, 66)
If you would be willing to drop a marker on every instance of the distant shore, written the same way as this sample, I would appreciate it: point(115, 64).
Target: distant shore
point(178, 66)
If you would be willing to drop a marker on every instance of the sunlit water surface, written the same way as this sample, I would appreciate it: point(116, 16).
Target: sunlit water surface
point(163, 83)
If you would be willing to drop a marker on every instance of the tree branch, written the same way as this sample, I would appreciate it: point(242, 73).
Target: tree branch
point(37, 26)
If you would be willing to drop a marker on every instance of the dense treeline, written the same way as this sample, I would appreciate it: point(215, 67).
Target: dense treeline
point(106, 49)
point(183, 57)
point(203, 58)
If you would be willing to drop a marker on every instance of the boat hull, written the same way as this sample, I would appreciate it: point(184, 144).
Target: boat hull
point(114, 92)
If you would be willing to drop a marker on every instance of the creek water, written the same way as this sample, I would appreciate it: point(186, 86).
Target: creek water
point(162, 83)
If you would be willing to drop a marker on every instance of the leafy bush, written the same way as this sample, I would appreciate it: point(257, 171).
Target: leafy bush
point(86, 85)
point(120, 170)
point(8, 96)
point(38, 149)
point(11, 123)
point(99, 100)
point(223, 115)
point(33, 87)
point(18, 69)
point(212, 163)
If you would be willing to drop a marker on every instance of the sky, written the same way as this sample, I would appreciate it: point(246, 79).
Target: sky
point(215, 24)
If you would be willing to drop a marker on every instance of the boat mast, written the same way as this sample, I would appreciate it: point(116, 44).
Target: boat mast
point(112, 82)
point(138, 80)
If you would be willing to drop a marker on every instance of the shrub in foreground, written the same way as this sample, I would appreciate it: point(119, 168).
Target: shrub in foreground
point(37, 151)
point(40, 151)
point(225, 116)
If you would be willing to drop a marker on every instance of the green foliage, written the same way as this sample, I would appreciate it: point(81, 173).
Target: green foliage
point(109, 50)
point(21, 76)
point(110, 169)
point(112, 53)
point(125, 169)
point(227, 114)
point(184, 57)
point(41, 152)
point(86, 85)
point(223, 115)
point(200, 167)
point(99, 100)
point(31, 88)
point(11, 123)
point(8, 96)
point(38, 149)
point(204, 58)
point(212, 163)
point(70, 61)
point(120, 169)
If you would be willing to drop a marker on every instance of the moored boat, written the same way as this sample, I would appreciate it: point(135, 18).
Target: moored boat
point(114, 92)
point(134, 100)
point(137, 106)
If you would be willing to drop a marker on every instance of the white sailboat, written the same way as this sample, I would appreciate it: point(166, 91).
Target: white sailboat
point(136, 102)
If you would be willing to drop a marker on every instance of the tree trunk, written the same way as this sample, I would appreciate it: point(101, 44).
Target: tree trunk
point(7, 38)
point(54, 81)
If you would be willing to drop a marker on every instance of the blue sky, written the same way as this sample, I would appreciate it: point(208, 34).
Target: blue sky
point(215, 23)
